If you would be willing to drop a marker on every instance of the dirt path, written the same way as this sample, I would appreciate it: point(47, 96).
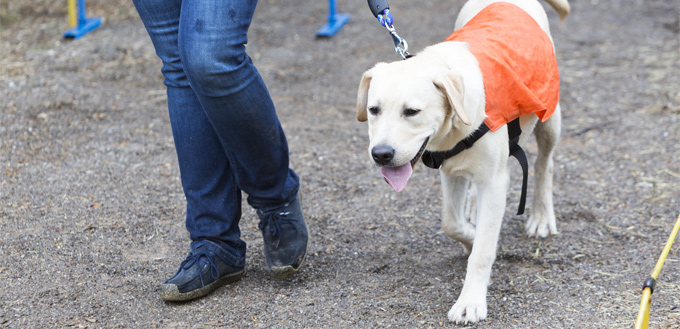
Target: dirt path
point(91, 209)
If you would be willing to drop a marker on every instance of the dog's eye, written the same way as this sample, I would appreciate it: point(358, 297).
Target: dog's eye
point(374, 110)
point(410, 112)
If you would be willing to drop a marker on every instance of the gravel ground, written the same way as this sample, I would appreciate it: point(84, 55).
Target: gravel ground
point(91, 208)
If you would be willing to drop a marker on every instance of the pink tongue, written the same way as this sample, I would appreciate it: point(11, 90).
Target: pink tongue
point(397, 176)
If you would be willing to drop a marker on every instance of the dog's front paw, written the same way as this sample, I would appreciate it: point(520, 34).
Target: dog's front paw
point(541, 226)
point(464, 312)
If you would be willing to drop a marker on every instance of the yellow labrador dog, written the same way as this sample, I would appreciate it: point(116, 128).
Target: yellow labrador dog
point(442, 103)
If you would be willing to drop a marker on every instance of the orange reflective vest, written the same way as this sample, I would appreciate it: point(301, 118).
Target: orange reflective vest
point(517, 61)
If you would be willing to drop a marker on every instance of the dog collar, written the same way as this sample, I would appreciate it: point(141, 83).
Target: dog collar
point(434, 159)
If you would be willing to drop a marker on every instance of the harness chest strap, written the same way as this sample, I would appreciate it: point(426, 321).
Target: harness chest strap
point(434, 159)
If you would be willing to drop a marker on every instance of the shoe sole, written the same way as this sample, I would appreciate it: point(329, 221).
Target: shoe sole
point(282, 272)
point(170, 292)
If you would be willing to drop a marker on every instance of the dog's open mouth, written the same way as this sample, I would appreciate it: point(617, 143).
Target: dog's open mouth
point(397, 177)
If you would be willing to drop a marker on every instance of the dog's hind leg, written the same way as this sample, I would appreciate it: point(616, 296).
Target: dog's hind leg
point(454, 221)
point(542, 219)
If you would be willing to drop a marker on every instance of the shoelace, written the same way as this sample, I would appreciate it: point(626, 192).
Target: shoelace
point(273, 218)
point(194, 258)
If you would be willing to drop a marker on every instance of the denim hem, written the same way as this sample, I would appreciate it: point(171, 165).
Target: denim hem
point(270, 208)
point(233, 260)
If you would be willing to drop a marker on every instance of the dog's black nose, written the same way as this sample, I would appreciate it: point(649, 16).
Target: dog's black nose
point(382, 154)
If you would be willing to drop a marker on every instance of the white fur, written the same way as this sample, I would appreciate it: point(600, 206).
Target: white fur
point(451, 106)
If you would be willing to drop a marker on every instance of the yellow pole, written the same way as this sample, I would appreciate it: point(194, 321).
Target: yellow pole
point(645, 303)
point(666, 249)
point(72, 13)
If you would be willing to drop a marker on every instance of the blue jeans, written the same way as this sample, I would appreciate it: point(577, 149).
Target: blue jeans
point(226, 132)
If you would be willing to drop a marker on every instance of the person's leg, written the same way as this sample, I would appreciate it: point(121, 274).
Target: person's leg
point(212, 40)
point(213, 198)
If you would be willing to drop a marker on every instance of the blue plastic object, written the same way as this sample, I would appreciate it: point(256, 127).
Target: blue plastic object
point(335, 21)
point(85, 25)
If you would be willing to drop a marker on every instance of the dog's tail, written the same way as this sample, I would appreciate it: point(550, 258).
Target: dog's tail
point(561, 6)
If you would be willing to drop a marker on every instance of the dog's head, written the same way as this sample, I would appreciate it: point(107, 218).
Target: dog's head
point(408, 104)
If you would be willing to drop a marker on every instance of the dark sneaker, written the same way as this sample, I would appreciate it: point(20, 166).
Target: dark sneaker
point(203, 271)
point(285, 238)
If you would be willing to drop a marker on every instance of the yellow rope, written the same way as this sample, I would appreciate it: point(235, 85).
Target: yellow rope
point(645, 304)
point(72, 13)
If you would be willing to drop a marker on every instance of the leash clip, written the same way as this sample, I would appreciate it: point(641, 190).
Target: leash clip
point(400, 44)
point(381, 11)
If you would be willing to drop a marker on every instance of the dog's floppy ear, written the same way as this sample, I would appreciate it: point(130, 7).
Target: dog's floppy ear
point(362, 95)
point(451, 84)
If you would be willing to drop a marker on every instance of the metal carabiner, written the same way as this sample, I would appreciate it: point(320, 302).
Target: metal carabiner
point(381, 10)
point(400, 44)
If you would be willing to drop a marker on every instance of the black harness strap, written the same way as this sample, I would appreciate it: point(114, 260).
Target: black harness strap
point(514, 130)
point(434, 159)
